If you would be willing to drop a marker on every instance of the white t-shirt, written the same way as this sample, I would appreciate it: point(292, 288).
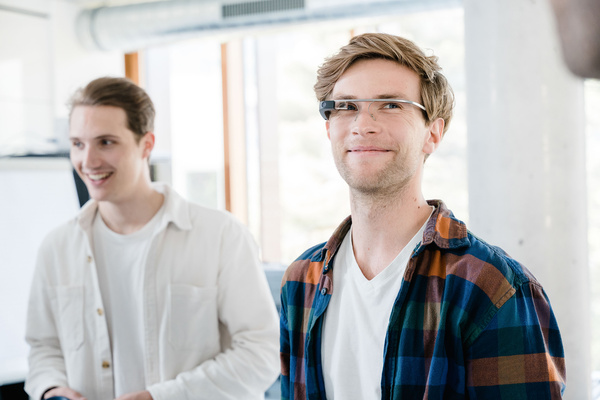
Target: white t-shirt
point(120, 261)
point(356, 322)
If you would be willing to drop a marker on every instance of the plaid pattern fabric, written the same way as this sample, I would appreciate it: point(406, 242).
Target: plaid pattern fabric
point(468, 322)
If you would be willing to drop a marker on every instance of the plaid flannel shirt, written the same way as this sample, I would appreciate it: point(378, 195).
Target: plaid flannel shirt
point(468, 322)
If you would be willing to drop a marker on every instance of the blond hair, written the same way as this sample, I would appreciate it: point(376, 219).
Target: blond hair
point(436, 94)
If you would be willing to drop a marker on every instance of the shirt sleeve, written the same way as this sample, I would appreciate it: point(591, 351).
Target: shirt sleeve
point(246, 308)
point(46, 362)
point(520, 352)
point(284, 348)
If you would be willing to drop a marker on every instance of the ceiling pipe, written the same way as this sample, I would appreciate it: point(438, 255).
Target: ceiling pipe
point(135, 26)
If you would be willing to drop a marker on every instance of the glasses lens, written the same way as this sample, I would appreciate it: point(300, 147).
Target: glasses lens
point(389, 107)
point(384, 108)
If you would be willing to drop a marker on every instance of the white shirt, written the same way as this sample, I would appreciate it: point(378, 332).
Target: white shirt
point(120, 261)
point(209, 322)
point(356, 322)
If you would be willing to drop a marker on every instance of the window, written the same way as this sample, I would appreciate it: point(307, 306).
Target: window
point(184, 80)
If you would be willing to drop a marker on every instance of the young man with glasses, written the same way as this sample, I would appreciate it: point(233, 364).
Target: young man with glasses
point(403, 302)
point(144, 295)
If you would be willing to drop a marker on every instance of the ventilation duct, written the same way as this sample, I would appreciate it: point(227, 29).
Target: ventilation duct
point(135, 26)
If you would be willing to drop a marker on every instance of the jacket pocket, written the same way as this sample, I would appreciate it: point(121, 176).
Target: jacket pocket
point(70, 316)
point(194, 322)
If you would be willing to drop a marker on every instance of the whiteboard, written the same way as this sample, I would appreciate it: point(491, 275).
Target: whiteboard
point(36, 195)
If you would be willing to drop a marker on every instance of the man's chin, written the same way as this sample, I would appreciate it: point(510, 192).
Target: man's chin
point(376, 185)
point(367, 186)
point(98, 195)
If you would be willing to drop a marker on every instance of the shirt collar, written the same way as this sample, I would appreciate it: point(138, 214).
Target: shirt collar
point(176, 210)
point(443, 229)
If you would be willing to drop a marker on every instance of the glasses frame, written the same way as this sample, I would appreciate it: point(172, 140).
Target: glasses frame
point(326, 106)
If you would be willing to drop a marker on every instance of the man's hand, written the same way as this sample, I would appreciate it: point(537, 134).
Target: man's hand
point(64, 391)
point(143, 395)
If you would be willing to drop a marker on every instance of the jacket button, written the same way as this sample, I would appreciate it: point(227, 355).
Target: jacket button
point(89, 259)
point(105, 364)
point(323, 291)
point(100, 312)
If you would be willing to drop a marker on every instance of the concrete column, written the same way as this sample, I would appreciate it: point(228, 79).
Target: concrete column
point(526, 154)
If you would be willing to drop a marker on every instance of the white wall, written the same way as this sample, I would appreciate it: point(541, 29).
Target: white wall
point(25, 81)
point(527, 173)
point(47, 63)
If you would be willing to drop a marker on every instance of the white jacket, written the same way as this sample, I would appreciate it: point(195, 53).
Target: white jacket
point(210, 323)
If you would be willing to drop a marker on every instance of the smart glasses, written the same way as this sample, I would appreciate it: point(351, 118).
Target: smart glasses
point(348, 108)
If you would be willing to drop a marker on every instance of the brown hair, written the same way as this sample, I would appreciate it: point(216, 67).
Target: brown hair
point(436, 94)
point(122, 93)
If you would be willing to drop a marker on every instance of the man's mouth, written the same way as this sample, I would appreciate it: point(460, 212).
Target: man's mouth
point(366, 149)
point(99, 177)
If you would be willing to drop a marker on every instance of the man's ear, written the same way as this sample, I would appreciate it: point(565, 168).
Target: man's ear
point(327, 127)
point(147, 144)
point(435, 132)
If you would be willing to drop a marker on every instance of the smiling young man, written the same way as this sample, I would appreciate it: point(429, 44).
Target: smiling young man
point(144, 295)
point(403, 302)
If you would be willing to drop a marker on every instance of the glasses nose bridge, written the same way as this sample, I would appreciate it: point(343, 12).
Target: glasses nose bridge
point(372, 114)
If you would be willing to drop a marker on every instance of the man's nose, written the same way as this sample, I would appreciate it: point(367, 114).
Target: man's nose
point(91, 158)
point(366, 109)
point(365, 122)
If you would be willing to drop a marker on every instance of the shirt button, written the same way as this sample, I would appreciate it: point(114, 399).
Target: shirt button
point(105, 364)
point(89, 259)
point(100, 312)
point(323, 291)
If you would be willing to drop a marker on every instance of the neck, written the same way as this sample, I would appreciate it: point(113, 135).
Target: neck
point(383, 226)
point(133, 214)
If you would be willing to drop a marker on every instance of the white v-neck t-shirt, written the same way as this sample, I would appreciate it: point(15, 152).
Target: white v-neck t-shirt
point(120, 261)
point(356, 322)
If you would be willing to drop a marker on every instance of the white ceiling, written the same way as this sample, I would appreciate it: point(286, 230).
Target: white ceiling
point(100, 3)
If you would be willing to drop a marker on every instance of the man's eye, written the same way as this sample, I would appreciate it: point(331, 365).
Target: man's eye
point(106, 142)
point(392, 105)
point(76, 144)
point(346, 106)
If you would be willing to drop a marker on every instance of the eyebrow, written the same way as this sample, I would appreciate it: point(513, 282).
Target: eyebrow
point(100, 137)
point(381, 96)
